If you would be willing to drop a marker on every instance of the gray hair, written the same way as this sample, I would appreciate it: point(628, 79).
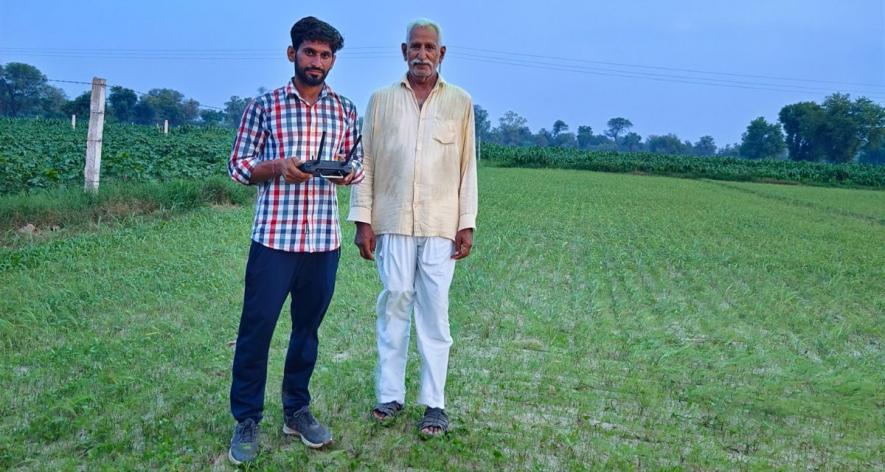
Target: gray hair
point(423, 23)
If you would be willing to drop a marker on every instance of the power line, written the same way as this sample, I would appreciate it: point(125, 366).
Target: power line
point(609, 72)
point(375, 51)
point(179, 54)
point(573, 65)
point(139, 93)
point(675, 69)
point(183, 50)
point(194, 58)
point(653, 76)
point(142, 94)
point(69, 81)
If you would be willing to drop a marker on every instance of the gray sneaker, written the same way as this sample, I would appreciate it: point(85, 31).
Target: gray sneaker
point(302, 423)
point(244, 443)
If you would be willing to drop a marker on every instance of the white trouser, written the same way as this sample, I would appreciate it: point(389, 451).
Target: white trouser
point(415, 272)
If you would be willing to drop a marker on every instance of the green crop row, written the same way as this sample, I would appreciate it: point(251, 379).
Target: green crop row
point(48, 153)
point(859, 175)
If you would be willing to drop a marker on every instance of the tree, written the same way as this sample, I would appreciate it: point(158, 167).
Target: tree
point(762, 140)
point(687, 147)
point(839, 130)
point(191, 110)
point(803, 123)
point(632, 142)
point(705, 147)
point(482, 125)
point(667, 144)
point(79, 106)
point(122, 104)
point(233, 110)
point(22, 90)
point(543, 138)
point(616, 126)
point(601, 142)
point(850, 126)
point(873, 117)
point(52, 102)
point(841, 134)
point(559, 127)
point(170, 105)
point(873, 155)
point(565, 140)
point(730, 150)
point(559, 137)
point(144, 113)
point(513, 130)
point(585, 137)
point(212, 117)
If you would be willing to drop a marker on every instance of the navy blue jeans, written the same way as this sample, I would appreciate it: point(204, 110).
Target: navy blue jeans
point(272, 275)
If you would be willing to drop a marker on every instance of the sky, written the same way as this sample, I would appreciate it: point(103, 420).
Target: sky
point(689, 67)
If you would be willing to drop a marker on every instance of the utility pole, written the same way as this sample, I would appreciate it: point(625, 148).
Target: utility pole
point(92, 171)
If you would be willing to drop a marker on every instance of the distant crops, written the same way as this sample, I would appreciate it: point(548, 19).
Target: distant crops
point(49, 153)
point(689, 166)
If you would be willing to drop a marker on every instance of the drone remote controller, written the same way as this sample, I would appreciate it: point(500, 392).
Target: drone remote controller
point(330, 169)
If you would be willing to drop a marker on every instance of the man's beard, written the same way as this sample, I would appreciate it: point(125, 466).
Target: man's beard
point(415, 62)
point(310, 80)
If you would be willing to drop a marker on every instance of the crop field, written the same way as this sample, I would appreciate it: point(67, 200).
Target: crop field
point(602, 322)
point(37, 154)
point(718, 168)
point(41, 154)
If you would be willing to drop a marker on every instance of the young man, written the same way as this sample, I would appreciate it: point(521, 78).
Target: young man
point(419, 197)
point(295, 233)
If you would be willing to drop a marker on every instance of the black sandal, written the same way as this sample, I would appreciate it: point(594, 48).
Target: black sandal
point(434, 418)
point(387, 410)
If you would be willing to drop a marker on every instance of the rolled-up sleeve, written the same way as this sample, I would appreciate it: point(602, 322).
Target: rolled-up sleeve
point(249, 144)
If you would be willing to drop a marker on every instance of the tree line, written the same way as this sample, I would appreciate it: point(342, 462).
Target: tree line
point(26, 92)
point(837, 130)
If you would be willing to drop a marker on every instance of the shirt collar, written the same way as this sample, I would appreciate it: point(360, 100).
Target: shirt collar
point(440, 82)
point(291, 91)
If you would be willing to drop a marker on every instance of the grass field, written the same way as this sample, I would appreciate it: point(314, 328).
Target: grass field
point(604, 321)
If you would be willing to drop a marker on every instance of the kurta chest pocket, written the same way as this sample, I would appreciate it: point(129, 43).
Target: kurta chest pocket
point(444, 131)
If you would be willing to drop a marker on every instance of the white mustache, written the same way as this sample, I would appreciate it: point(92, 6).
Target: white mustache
point(416, 62)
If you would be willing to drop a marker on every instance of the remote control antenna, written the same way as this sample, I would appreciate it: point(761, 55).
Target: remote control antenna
point(353, 149)
point(320, 151)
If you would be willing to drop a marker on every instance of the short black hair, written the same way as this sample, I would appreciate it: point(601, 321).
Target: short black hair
point(313, 29)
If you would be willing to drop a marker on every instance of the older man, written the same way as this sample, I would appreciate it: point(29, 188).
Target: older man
point(418, 205)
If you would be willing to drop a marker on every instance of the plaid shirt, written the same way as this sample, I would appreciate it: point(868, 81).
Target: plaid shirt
point(295, 217)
